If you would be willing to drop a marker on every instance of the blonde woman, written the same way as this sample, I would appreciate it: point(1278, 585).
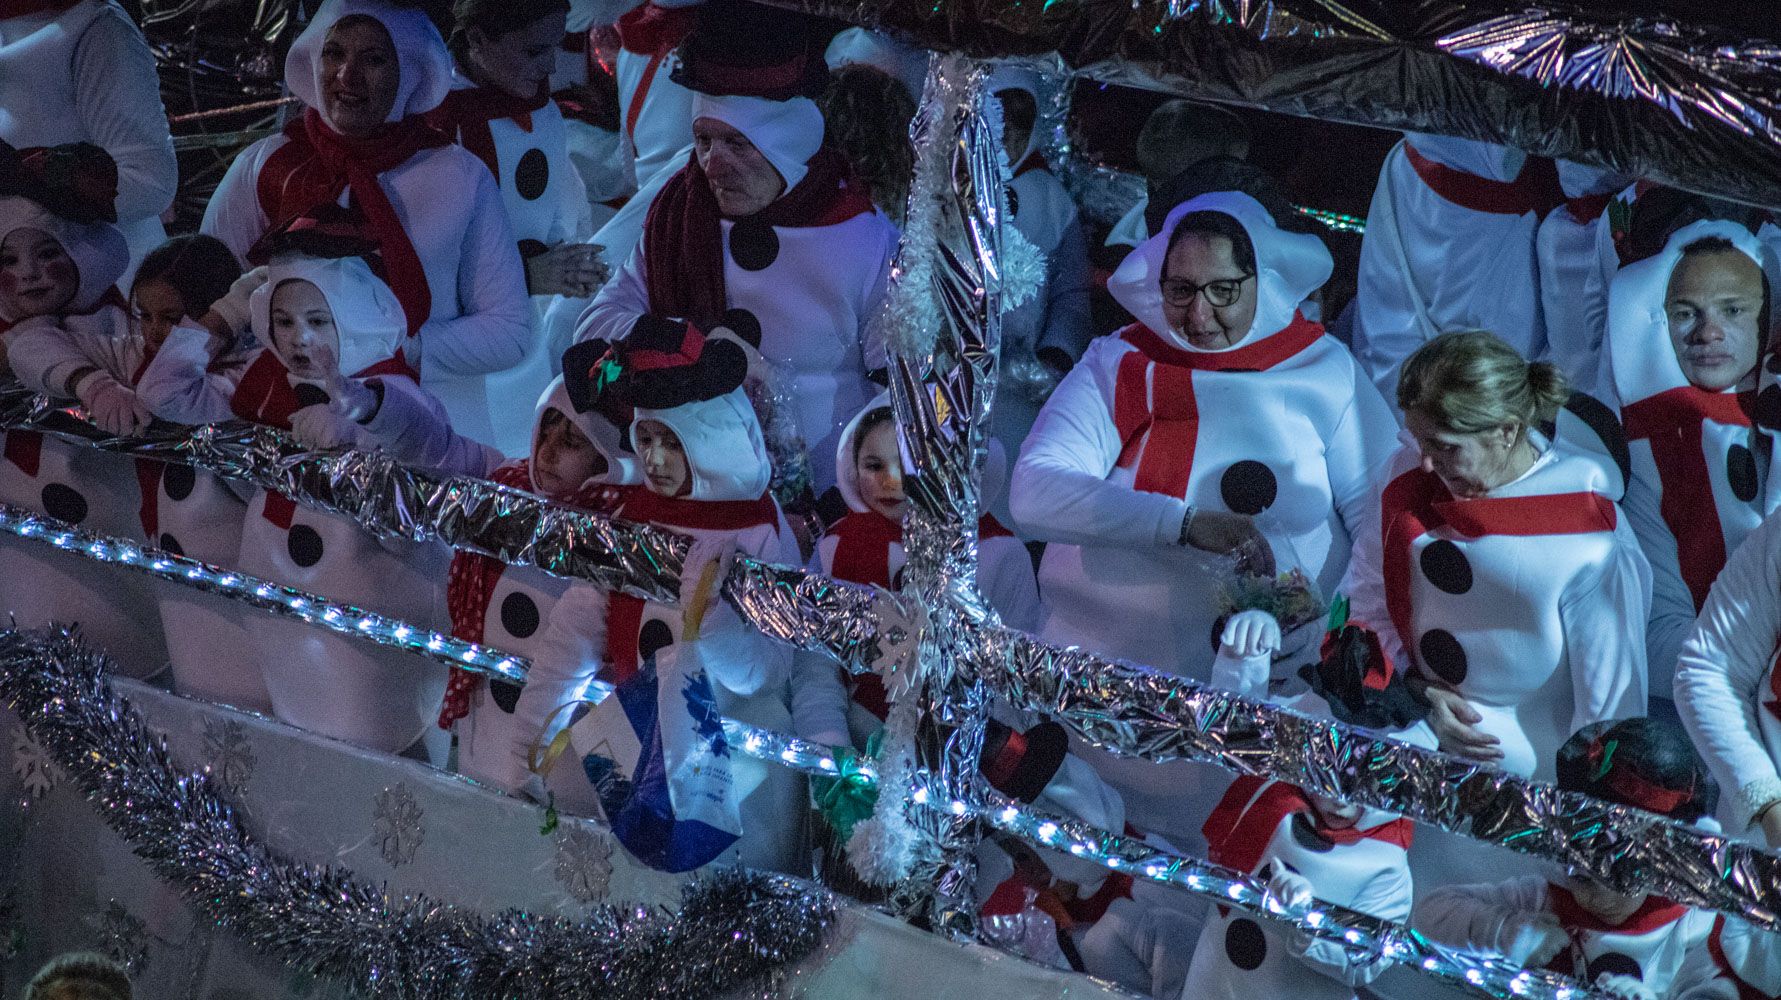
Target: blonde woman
point(1498, 571)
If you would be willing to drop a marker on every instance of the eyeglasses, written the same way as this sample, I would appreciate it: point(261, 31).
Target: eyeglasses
point(1218, 294)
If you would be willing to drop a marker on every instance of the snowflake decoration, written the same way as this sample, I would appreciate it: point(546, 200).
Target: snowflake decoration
point(121, 935)
point(228, 755)
point(32, 764)
point(584, 864)
point(396, 825)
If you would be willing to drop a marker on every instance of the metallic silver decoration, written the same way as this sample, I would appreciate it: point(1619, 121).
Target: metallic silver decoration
point(33, 767)
point(396, 824)
point(583, 864)
point(121, 935)
point(227, 755)
point(731, 929)
point(345, 619)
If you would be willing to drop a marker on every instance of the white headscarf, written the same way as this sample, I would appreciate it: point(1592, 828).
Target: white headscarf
point(788, 133)
point(367, 317)
point(423, 61)
point(725, 452)
point(1288, 267)
point(1023, 79)
point(621, 469)
point(98, 249)
point(847, 473)
point(1640, 352)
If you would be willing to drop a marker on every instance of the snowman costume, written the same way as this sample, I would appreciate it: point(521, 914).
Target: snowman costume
point(371, 696)
point(525, 143)
point(1576, 266)
point(1450, 246)
point(83, 487)
point(558, 623)
point(602, 156)
point(1738, 962)
point(433, 207)
point(1701, 466)
point(808, 271)
point(82, 72)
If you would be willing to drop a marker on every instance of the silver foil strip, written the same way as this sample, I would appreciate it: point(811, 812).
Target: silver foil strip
point(1363, 936)
point(282, 601)
point(1139, 712)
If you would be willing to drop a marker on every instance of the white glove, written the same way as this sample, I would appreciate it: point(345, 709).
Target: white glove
point(319, 428)
point(349, 398)
point(1290, 888)
point(232, 308)
point(1532, 939)
point(1246, 654)
point(113, 405)
point(1624, 987)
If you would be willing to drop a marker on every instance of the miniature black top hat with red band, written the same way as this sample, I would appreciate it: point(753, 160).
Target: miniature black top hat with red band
point(672, 363)
point(737, 48)
point(331, 231)
point(1648, 764)
point(1359, 682)
point(77, 181)
point(595, 378)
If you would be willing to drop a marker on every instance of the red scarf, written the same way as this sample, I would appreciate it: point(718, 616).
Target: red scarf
point(624, 613)
point(683, 238)
point(468, 586)
point(264, 396)
point(650, 31)
point(317, 164)
point(467, 112)
point(1672, 421)
point(1535, 189)
point(1153, 398)
point(1417, 503)
point(1238, 831)
point(1653, 913)
point(863, 541)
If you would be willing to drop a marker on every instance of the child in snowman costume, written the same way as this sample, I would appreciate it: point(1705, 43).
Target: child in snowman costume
point(1628, 946)
point(1739, 961)
point(60, 259)
point(578, 460)
point(321, 318)
point(705, 474)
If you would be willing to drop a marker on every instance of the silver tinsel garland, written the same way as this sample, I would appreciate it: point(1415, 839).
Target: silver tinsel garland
point(733, 927)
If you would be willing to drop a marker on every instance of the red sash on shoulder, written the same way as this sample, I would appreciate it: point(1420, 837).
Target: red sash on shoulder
point(1535, 189)
point(1153, 398)
point(1672, 421)
point(1417, 503)
point(316, 164)
point(467, 112)
point(650, 31)
point(1653, 913)
point(1237, 832)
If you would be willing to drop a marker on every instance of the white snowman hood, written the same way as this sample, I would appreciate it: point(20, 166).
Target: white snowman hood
point(424, 63)
point(1289, 266)
point(1023, 79)
point(367, 317)
point(1639, 348)
point(725, 452)
point(621, 469)
point(98, 249)
point(847, 474)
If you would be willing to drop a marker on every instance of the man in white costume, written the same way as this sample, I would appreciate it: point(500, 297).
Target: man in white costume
point(1576, 265)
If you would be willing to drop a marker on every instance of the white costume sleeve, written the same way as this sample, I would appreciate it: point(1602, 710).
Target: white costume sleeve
point(1005, 573)
point(1060, 491)
point(117, 93)
point(178, 385)
point(1386, 896)
point(615, 309)
point(1357, 454)
point(413, 428)
point(1606, 653)
point(819, 700)
point(1478, 917)
point(44, 353)
point(493, 327)
point(1672, 606)
point(1720, 672)
point(234, 214)
point(1067, 321)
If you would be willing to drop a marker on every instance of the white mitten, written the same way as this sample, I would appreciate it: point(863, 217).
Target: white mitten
point(1624, 987)
point(113, 405)
point(233, 308)
point(1532, 939)
point(1290, 888)
point(321, 429)
point(1246, 653)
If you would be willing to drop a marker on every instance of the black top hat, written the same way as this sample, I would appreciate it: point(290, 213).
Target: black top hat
point(737, 48)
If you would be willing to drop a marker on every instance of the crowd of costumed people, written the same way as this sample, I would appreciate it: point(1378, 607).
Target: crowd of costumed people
point(1510, 499)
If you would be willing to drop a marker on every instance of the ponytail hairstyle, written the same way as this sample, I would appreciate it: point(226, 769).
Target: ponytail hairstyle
point(495, 18)
point(866, 114)
point(1471, 381)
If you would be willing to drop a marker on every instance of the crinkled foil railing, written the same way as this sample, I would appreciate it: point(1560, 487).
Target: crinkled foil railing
point(733, 928)
point(285, 602)
point(1362, 935)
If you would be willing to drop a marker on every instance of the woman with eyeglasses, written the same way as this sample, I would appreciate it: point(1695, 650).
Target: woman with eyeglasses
point(1221, 434)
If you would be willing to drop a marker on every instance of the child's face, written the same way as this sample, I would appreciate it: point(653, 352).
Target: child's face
point(879, 467)
point(1609, 906)
point(563, 457)
point(664, 460)
point(303, 331)
point(159, 308)
point(1334, 815)
point(37, 277)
